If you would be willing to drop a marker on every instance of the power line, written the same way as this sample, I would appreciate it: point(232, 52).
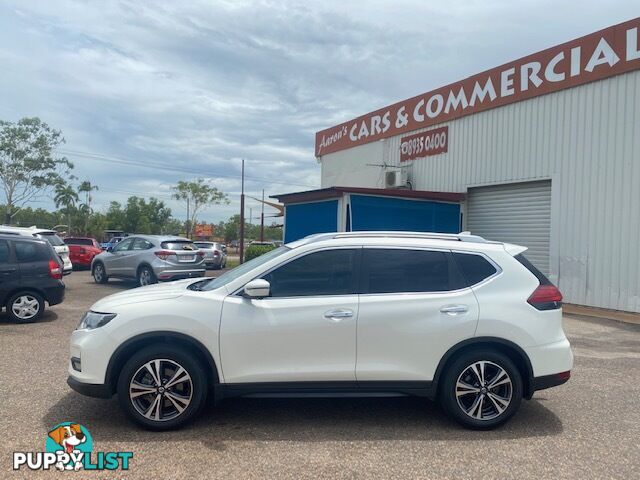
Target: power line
point(141, 163)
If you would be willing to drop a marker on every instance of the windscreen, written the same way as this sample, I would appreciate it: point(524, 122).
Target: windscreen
point(78, 241)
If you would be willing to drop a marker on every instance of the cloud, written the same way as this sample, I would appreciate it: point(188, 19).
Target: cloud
point(148, 93)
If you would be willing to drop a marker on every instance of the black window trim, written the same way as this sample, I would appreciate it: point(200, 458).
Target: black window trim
point(358, 248)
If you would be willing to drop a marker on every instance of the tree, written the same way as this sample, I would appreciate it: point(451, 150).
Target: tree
point(66, 197)
point(86, 187)
point(28, 166)
point(197, 195)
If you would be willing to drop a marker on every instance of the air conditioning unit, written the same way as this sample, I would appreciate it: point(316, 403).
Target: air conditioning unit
point(396, 178)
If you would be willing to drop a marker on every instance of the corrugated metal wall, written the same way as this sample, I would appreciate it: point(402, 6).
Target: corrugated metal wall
point(585, 139)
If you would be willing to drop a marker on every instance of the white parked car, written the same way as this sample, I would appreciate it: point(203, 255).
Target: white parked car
point(450, 317)
point(50, 236)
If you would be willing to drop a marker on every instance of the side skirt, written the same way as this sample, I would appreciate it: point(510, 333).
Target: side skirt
point(324, 389)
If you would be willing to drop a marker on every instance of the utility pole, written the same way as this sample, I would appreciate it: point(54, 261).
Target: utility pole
point(188, 222)
point(241, 253)
point(250, 215)
point(262, 219)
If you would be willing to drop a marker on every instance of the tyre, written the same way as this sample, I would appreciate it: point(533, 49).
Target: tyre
point(146, 276)
point(481, 389)
point(25, 307)
point(99, 273)
point(162, 387)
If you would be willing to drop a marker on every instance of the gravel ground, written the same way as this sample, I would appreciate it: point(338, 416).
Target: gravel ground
point(585, 429)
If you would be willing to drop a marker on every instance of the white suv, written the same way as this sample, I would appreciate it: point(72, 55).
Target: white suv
point(453, 317)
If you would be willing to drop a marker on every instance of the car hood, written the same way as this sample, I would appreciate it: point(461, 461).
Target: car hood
point(161, 291)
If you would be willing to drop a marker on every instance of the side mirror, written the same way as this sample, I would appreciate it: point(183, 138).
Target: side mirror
point(109, 248)
point(257, 288)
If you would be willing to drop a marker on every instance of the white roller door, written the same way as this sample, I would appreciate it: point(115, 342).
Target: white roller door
point(517, 213)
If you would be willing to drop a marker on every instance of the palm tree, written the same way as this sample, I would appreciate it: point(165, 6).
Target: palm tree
point(66, 196)
point(86, 188)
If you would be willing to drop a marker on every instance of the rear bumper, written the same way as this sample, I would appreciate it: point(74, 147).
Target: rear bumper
point(97, 390)
point(179, 274)
point(55, 295)
point(548, 381)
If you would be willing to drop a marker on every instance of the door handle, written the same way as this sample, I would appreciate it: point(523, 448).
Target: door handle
point(338, 314)
point(454, 309)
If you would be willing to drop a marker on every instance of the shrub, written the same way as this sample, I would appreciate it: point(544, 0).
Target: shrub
point(254, 251)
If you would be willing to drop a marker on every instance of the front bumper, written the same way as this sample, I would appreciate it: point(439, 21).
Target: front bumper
point(97, 390)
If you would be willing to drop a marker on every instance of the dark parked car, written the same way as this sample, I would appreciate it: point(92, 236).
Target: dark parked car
point(30, 275)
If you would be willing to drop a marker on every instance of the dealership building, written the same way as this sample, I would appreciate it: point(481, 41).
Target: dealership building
point(543, 151)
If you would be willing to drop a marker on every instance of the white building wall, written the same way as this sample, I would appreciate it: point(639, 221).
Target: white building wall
point(585, 139)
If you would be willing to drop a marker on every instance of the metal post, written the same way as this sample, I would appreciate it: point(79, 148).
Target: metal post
point(241, 253)
point(262, 219)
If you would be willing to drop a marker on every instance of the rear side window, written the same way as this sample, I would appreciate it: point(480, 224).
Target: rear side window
point(52, 238)
point(329, 272)
point(31, 252)
point(474, 268)
point(542, 278)
point(400, 270)
point(78, 241)
point(4, 251)
point(179, 245)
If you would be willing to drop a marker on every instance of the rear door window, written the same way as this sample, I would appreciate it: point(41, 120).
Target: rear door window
point(31, 252)
point(4, 251)
point(405, 271)
point(141, 244)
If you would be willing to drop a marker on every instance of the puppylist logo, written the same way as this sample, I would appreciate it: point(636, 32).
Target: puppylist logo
point(69, 446)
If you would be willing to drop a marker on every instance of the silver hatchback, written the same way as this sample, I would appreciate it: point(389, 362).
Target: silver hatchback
point(149, 259)
point(215, 254)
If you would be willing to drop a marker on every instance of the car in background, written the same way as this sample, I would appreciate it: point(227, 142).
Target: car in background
point(30, 277)
point(82, 250)
point(215, 254)
point(266, 243)
point(50, 236)
point(149, 259)
point(111, 243)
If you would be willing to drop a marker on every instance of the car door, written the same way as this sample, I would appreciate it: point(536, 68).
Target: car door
point(414, 306)
point(304, 331)
point(116, 262)
point(9, 272)
point(138, 253)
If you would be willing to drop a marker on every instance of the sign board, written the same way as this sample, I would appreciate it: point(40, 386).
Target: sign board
point(203, 230)
point(602, 54)
point(424, 144)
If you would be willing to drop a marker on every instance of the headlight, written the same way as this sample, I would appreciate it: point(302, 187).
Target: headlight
point(92, 320)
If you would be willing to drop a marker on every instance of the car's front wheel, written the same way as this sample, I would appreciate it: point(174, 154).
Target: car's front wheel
point(99, 273)
point(162, 387)
point(482, 389)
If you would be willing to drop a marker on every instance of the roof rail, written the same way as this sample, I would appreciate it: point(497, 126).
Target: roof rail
point(458, 237)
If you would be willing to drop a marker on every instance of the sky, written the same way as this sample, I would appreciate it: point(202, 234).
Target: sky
point(147, 93)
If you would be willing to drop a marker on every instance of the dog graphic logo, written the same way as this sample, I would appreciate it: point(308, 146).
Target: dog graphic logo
point(73, 440)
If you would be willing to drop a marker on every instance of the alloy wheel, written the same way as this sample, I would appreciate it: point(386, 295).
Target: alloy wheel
point(25, 307)
point(145, 277)
point(161, 390)
point(484, 390)
point(98, 272)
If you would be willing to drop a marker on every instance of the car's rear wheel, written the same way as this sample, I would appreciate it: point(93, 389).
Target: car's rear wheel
point(482, 389)
point(162, 387)
point(99, 273)
point(25, 307)
point(146, 276)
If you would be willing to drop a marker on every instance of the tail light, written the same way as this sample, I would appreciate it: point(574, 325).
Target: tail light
point(164, 254)
point(216, 253)
point(200, 253)
point(55, 270)
point(545, 297)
